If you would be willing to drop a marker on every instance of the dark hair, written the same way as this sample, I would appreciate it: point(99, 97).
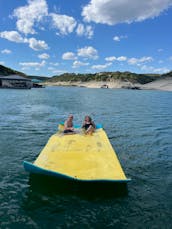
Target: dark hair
point(90, 119)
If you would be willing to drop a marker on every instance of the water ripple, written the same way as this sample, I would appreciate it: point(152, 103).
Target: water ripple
point(139, 126)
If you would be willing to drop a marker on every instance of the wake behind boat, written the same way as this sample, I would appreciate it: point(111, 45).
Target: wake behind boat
point(88, 158)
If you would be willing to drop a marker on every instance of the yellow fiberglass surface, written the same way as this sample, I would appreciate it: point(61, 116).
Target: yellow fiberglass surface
point(82, 157)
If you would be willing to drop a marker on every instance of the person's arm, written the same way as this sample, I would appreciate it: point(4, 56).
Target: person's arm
point(93, 124)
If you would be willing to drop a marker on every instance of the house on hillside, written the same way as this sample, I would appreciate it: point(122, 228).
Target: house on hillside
point(15, 81)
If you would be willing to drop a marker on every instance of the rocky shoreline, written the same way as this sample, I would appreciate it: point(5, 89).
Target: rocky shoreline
point(160, 84)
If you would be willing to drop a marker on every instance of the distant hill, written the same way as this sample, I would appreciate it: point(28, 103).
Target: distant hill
point(102, 76)
point(169, 74)
point(106, 76)
point(42, 78)
point(4, 71)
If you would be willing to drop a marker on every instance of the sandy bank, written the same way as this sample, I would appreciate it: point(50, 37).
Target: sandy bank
point(92, 84)
point(162, 84)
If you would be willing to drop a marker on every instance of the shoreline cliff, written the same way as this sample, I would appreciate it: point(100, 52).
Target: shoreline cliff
point(159, 84)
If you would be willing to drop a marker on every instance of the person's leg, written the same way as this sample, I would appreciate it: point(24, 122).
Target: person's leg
point(68, 132)
point(90, 130)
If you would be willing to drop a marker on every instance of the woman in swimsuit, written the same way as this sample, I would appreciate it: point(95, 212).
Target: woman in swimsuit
point(88, 125)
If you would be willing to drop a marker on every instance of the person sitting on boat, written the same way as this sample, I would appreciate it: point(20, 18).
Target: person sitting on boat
point(68, 125)
point(88, 125)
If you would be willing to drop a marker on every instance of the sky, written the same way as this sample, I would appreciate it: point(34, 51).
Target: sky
point(52, 37)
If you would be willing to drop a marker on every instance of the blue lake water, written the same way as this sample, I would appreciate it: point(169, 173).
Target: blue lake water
point(139, 126)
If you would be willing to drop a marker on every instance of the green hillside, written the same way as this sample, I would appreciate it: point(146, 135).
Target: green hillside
point(102, 76)
point(106, 76)
point(4, 71)
point(169, 74)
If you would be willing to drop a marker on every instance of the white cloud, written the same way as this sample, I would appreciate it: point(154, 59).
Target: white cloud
point(122, 11)
point(2, 62)
point(37, 69)
point(65, 24)
point(12, 36)
point(88, 52)
point(33, 64)
point(118, 38)
point(6, 51)
point(154, 70)
point(89, 31)
point(146, 59)
point(160, 50)
point(110, 58)
point(44, 56)
point(28, 15)
point(51, 68)
point(37, 45)
point(80, 29)
point(77, 64)
point(68, 56)
point(161, 70)
point(84, 30)
point(54, 64)
point(133, 61)
point(137, 61)
point(101, 66)
point(59, 72)
point(121, 58)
